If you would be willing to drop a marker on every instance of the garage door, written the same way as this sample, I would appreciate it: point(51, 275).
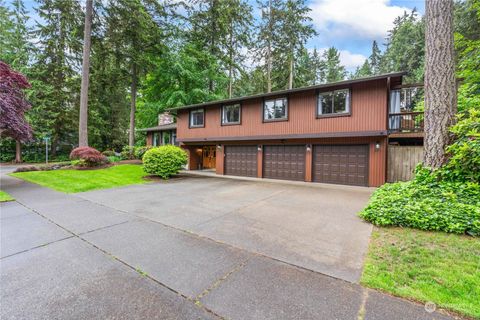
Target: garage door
point(241, 161)
point(341, 164)
point(284, 162)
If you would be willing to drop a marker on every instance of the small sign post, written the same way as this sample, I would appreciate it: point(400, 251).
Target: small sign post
point(46, 139)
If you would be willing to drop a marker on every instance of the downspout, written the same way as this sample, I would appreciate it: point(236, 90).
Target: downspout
point(387, 126)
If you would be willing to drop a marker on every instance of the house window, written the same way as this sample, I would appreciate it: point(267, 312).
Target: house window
point(156, 139)
point(197, 118)
point(276, 109)
point(334, 102)
point(231, 114)
point(166, 137)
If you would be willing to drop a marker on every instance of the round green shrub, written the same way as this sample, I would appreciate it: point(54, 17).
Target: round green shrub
point(164, 161)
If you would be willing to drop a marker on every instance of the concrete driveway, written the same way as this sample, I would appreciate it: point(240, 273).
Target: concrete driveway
point(314, 227)
point(190, 248)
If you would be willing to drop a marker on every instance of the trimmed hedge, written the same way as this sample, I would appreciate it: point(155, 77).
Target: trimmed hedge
point(164, 161)
point(427, 203)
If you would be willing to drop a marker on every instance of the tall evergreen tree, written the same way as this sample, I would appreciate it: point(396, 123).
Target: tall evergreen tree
point(238, 16)
point(83, 118)
point(375, 59)
point(134, 34)
point(405, 47)
point(295, 30)
point(55, 80)
point(364, 71)
point(268, 36)
point(334, 71)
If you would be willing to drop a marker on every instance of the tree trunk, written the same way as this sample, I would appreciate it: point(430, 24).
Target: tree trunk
point(269, 68)
point(269, 48)
point(18, 151)
point(83, 117)
point(230, 69)
point(290, 73)
point(133, 105)
point(440, 85)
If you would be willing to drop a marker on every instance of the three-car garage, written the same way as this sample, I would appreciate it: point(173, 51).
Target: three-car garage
point(328, 163)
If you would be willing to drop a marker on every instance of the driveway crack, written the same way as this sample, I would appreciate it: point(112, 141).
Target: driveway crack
point(219, 281)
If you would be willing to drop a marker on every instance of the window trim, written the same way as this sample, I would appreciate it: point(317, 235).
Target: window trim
point(190, 118)
point(239, 122)
point(333, 115)
point(286, 97)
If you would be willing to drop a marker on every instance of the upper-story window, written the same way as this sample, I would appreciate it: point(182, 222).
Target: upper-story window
point(231, 114)
point(333, 102)
point(275, 109)
point(197, 118)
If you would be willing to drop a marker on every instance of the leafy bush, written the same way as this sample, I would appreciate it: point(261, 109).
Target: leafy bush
point(108, 153)
point(140, 151)
point(164, 161)
point(427, 203)
point(128, 153)
point(87, 157)
point(114, 159)
point(464, 154)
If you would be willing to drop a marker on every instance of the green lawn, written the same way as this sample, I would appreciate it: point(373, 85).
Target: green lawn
point(5, 196)
point(426, 266)
point(71, 181)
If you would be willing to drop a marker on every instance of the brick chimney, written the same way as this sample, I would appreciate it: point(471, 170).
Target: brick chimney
point(165, 118)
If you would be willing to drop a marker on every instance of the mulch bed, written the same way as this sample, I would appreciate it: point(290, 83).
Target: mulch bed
point(158, 179)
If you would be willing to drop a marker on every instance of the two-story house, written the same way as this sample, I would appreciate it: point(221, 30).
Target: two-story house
point(329, 133)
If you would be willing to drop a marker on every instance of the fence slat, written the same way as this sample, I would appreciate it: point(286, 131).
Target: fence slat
point(402, 161)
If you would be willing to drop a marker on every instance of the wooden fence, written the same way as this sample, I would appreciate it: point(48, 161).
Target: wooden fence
point(402, 161)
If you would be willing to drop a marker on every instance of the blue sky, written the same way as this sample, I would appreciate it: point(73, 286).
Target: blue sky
point(352, 25)
point(349, 25)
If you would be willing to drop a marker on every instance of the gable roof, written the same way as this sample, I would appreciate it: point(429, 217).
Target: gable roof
point(295, 90)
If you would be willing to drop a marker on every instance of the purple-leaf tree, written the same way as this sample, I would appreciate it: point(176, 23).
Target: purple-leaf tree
point(13, 104)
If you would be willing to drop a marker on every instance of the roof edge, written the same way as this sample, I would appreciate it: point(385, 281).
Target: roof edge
point(294, 90)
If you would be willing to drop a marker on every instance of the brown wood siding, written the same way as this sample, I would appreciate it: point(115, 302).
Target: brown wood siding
point(368, 113)
point(149, 139)
point(219, 169)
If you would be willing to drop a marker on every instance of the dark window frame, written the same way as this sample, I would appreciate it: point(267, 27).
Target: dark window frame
point(190, 126)
point(239, 115)
point(287, 109)
point(333, 114)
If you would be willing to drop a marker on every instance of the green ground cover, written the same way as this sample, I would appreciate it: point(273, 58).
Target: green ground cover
point(426, 266)
point(5, 196)
point(71, 180)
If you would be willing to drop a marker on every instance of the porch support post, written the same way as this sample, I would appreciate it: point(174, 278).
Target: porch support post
point(219, 159)
point(260, 161)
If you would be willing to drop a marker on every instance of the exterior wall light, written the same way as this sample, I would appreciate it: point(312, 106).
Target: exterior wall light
point(259, 148)
point(219, 146)
point(309, 147)
point(377, 146)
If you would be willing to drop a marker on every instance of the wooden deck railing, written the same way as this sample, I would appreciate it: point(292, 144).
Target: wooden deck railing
point(406, 122)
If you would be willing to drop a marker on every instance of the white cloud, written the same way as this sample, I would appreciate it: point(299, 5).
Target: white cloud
point(362, 18)
point(347, 58)
point(351, 60)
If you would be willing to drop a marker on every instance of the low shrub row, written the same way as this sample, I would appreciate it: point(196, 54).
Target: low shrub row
point(427, 203)
point(133, 153)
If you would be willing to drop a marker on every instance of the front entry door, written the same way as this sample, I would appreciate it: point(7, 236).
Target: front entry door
point(209, 157)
